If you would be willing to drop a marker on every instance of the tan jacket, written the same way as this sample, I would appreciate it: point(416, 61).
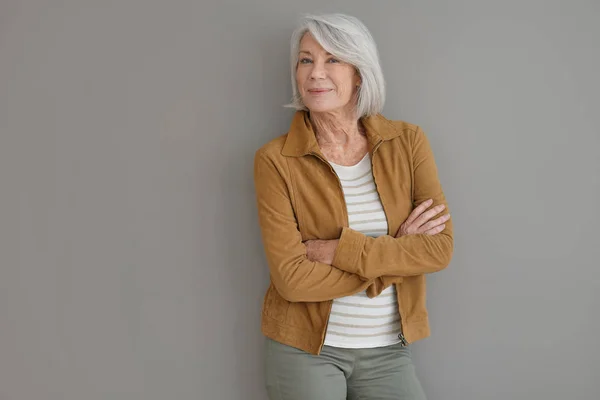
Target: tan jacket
point(299, 197)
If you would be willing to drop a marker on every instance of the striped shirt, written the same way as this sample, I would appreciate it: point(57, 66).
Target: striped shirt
point(357, 321)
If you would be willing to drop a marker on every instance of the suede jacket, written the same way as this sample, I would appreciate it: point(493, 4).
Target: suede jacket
point(299, 197)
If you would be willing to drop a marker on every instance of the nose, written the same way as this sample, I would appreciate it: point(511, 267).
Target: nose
point(318, 71)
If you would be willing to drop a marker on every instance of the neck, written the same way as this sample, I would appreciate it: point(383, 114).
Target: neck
point(336, 128)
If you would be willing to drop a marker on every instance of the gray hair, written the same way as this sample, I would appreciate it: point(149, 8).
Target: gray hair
point(348, 39)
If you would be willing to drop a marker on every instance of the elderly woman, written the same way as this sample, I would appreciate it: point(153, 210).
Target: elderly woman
point(352, 217)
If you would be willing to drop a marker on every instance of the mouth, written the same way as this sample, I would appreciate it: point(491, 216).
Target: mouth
point(319, 91)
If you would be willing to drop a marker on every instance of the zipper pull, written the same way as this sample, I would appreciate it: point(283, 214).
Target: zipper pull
point(402, 339)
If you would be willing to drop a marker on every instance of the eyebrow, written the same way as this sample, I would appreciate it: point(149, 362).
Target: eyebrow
point(308, 52)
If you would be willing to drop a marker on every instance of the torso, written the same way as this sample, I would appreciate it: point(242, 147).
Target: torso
point(357, 321)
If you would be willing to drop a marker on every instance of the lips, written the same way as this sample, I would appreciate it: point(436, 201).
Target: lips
point(319, 90)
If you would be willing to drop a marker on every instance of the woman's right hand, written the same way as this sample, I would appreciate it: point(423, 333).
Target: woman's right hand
point(419, 220)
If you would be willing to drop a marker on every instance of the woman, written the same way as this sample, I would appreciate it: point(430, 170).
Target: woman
point(352, 218)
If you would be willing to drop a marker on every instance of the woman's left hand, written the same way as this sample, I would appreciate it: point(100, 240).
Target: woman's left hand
point(321, 250)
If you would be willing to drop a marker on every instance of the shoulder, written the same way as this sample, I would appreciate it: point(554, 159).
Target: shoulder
point(272, 149)
point(402, 131)
point(405, 127)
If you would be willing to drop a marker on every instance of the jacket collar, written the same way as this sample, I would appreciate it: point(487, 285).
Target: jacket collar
point(301, 138)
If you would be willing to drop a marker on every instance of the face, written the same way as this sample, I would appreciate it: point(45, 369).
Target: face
point(325, 83)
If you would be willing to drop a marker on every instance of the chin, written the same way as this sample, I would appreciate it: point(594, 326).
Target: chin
point(320, 108)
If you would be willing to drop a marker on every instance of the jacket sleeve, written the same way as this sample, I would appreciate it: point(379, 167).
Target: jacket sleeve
point(407, 255)
point(295, 277)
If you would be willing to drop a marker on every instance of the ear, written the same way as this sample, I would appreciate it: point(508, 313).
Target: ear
point(358, 78)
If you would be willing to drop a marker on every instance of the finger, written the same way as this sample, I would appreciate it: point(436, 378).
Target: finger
point(426, 216)
point(434, 223)
point(417, 211)
point(435, 230)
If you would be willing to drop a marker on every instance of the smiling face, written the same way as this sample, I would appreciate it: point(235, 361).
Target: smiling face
point(325, 83)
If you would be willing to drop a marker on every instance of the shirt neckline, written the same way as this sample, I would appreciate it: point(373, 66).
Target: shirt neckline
point(350, 166)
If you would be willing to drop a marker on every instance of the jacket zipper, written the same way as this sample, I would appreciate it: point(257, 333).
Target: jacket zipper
point(345, 224)
point(402, 339)
point(401, 334)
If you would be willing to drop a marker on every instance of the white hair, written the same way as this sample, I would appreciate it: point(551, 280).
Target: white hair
point(348, 39)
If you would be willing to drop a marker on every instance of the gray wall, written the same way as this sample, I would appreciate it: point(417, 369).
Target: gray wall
point(131, 263)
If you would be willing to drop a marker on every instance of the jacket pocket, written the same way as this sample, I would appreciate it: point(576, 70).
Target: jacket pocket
point(274, 305)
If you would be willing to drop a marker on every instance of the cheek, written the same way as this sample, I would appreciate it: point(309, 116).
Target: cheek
point(344, 89)
point(299, 79)
point(345, 85)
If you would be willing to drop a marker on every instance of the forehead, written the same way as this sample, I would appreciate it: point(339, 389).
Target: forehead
point(309, 43)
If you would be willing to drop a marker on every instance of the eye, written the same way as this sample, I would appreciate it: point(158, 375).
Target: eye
point(333, 60)
point(305, 60)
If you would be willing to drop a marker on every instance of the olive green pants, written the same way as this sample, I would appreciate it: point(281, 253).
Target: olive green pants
point(383, 373)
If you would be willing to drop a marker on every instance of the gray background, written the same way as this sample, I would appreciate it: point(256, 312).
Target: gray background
point(131, 263)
